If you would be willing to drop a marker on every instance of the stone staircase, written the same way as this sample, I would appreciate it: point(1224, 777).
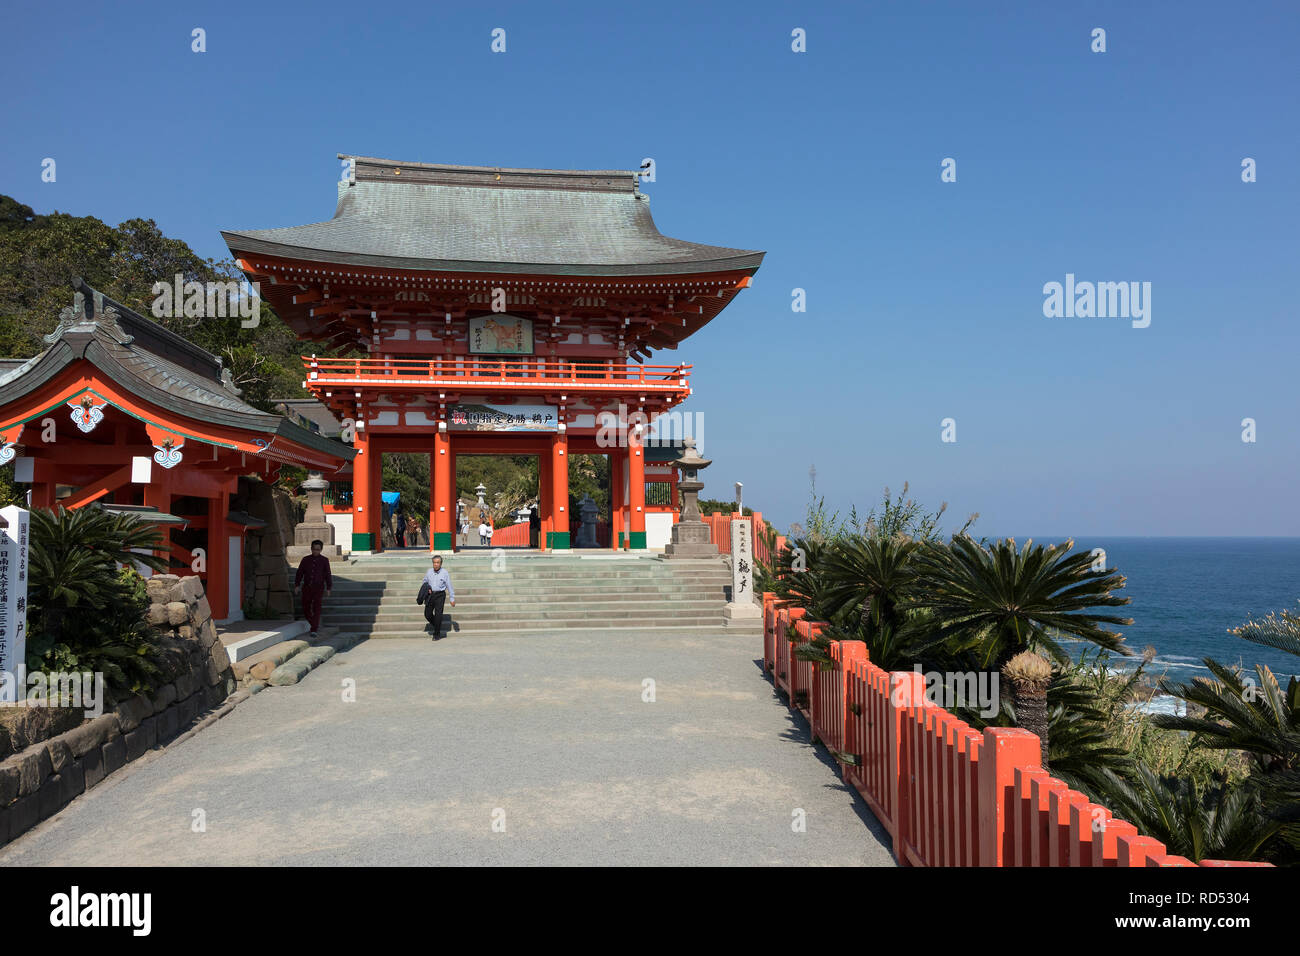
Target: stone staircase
point(531, 591)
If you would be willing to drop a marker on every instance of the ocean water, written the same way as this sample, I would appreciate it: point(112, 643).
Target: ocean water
point(1187, 592)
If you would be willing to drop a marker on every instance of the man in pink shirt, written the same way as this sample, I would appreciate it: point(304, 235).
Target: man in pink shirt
point(316, 581)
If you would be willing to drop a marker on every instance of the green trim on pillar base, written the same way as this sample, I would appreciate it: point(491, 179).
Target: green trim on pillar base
point(442, 541)
point(557, 540)
point(363, 541)
point(638, 540)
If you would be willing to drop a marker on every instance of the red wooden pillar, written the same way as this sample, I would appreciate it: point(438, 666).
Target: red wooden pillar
point(558, 540)
point(158, 494)
point(453, 501)
point(364, 523)
point(43, 494)
point(544, 501)
point(636, 489)
point(442, 511)
point(1005, 748)
point(218, 558)
point(616, 502)
point(906, 690)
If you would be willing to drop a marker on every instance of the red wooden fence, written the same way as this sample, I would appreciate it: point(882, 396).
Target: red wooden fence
point(948, 794)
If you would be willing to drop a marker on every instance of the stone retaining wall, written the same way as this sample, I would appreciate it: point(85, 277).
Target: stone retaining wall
point(46, 775)
point(268, 579)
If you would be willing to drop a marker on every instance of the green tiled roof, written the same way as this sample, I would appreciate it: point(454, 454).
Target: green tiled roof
point(488, 219)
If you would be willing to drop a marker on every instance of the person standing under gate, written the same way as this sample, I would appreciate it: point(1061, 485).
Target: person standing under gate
point(534, 527)
point(316, 581)
point(484, 532)
point(401, 528)
point(440, 589)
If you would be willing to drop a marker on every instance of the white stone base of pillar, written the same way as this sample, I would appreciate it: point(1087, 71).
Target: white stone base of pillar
point(744, 611)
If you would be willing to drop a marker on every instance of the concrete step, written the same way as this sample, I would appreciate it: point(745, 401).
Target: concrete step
point(713, 623)
point(352, 620)
point(523, 602)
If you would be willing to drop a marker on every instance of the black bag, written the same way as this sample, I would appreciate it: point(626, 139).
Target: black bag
point(425, 591)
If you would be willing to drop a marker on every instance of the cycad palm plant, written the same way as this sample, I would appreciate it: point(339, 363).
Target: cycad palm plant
point(1194, 819)
point(867, 579)
point(990, 604)
point(86, 614)
point(1256, 717)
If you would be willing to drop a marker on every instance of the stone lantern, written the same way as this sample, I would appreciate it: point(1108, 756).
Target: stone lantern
point(314, 524)
point(691, 537)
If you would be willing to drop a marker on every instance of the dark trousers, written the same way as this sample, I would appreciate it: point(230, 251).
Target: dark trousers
point(311, 605)
point(433, 610)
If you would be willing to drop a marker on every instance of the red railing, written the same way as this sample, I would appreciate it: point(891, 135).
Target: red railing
point(476, 370)
point(948, 795)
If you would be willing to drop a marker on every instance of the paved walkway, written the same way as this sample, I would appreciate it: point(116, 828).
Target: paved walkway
point(548, 728)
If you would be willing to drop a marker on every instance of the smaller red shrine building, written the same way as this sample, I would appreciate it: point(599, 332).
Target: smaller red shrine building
point(123, 414)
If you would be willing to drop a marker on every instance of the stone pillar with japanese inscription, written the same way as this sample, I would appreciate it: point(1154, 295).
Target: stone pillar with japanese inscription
point(13, 602)
point(742, 606)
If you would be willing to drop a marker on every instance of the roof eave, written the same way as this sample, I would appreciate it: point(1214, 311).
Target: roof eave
point(242, 243)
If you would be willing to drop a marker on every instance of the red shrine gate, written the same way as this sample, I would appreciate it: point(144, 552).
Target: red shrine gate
point(500, 310)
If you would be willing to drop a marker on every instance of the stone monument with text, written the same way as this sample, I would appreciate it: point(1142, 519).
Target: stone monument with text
point(742, 606)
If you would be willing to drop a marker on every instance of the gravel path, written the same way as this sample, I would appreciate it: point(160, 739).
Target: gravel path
point(547, 735)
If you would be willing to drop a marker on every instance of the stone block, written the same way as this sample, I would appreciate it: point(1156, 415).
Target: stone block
point(280, 602)
point(168, 724)
point(50, 797)
point(262, 669)
point(24, 813)
point(74, 781)
point(208, 634)
point(187, 709)
point(289, 672)
point(202, 611)
point(93, 766)
point(192, 588)
point(10, 775)
point(279, 582)
point(29, 768)
point(215, 673)
point(185, 632)
point(26, 726)
point(92, 734)
point(115, 754)
point(185, 684)
point(44, 764)
point(131, 711)
point(137, 742)
point(60, 753)
point(178, 613)
point(158, 615)
point(158, 588)
point(163, 698)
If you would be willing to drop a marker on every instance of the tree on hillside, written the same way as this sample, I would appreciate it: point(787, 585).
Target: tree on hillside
point(41, 254)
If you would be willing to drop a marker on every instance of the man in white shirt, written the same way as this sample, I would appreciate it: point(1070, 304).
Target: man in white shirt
point(484, 533)
point(440, 590)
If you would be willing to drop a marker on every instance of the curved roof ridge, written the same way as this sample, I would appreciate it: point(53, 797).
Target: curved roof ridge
point(631, 176)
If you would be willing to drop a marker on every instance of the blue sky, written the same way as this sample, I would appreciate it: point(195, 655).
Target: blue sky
point(924, 298)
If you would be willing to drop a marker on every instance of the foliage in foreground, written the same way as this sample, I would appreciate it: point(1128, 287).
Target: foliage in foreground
point(1222, 782)
point(86, 614)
